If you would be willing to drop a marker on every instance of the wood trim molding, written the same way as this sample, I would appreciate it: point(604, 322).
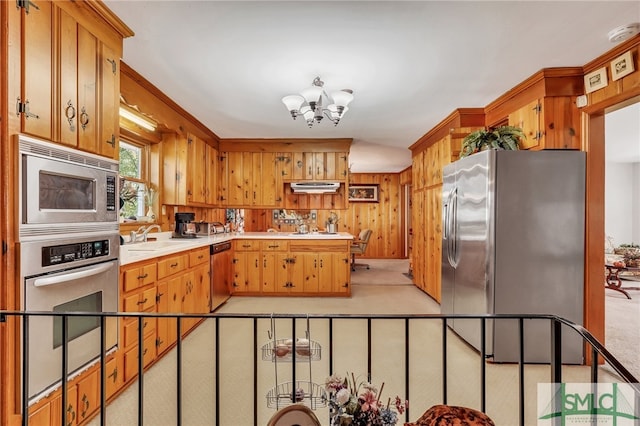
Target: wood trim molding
point(111, 18)
point(286, 145)
point(129, 73)
point(460, 117)
point(610, 55)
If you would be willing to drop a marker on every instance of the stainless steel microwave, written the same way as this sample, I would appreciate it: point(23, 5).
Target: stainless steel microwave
point(60, 185)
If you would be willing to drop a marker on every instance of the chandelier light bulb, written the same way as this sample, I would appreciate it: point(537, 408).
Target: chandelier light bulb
point(310, 103)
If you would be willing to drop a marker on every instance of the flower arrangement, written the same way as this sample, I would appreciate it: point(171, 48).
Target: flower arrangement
point(358, 403)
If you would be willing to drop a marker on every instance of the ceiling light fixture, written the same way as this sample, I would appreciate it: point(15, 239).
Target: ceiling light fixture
point(623, 32)
point(310, 103)
point(137, 118)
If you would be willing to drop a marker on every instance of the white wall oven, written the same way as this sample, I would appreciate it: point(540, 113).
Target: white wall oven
point(68, 250)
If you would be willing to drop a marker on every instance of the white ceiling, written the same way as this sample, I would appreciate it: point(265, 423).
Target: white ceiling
point(409, 64)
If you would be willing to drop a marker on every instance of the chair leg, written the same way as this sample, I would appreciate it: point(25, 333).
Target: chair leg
point(353, 262)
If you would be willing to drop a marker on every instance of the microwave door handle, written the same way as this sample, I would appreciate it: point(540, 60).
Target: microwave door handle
point(60, 279)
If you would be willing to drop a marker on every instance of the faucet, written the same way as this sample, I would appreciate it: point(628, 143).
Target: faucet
point(141, 233)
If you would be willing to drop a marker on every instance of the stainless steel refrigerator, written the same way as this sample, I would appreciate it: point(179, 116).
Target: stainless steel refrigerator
point(513, 242)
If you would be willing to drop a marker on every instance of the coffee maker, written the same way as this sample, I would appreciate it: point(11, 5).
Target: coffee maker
point(185, 228)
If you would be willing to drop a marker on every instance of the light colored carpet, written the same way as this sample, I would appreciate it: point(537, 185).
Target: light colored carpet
point(350, 336)
point(382, 271)
point(622, 331)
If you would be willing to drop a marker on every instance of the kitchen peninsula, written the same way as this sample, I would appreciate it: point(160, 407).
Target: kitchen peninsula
point(264, 263)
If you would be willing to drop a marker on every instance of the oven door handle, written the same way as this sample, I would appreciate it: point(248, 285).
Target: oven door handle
point(60, 279)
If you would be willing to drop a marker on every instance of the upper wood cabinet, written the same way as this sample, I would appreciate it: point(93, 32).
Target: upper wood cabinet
point(70, 77)
point(250, 179)
point(298, 166)
point(35, 103)
point(548, 123)
point(189, 171)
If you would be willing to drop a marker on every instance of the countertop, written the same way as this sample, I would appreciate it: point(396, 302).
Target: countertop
point(164, 245)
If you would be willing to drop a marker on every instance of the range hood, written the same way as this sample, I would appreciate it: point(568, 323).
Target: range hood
point(314, 187)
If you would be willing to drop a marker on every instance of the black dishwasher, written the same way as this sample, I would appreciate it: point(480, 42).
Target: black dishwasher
point(220, 273)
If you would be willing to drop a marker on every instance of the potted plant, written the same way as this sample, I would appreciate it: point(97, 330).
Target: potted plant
point(503, 137)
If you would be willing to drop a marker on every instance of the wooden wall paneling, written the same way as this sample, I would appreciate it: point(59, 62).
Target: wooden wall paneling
point(623, 91)
point(287, 145)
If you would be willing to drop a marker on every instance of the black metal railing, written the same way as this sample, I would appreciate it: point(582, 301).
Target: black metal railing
point(596, 351)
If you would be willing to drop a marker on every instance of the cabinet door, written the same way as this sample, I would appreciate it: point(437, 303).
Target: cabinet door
point(296, 272)
point(282, 278)
point(318, 165)
point(114, 378)
point(267, 186)
point(87, 91)
point(37, 70)
point(189, 302)
point(326, 276)
point(68, 66)
point(197, 170)
point(269, 268)
point(41, 416)
point(234, 175)
point(109, 101)
point(202, 291)
point(310, 268)
point(527, 118)
point(71, 411)
point(169, 298)
point(88, 395)
point(341, 272)
point(212, 175)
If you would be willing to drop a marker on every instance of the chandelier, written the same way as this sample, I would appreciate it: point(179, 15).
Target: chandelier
point(310, 103)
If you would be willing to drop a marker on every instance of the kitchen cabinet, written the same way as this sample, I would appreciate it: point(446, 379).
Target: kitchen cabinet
point(70, 91)
point(250, 179)
point(290, 266)
point(36, 100)
point(333, 166)
point(550, 122)
point(83, 401)
point(190, 171)
point(169, 300)
point(246, 266)
point(333, 273)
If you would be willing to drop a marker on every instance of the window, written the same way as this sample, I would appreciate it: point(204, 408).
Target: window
point(133, 180)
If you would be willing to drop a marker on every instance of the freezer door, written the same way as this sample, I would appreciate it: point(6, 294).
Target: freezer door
point(474, 243)
point(448, 270)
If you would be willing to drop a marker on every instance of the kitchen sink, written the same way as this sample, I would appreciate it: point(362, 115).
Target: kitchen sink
point(152, 245)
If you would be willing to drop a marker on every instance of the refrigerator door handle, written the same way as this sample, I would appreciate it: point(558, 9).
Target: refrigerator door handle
point(453, 231)
point(447, 225)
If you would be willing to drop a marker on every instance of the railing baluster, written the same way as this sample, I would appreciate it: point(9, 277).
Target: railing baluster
point(521, 370)
point(483, 353)
point(444, 360)
point(140, 370)
point(25, 369)
point(369, 348)
point(556, 352)
point(255, 371)
point(178, 370)
point(65, 373)
point(103, 371)
point(217, 369)
point(406, 366)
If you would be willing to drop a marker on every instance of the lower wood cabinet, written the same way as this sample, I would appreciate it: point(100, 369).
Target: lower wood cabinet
point(291, 267)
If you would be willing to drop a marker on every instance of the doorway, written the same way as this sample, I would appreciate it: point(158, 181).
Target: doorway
point(622, 227)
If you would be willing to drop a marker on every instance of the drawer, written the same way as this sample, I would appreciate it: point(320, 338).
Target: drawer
point(246, 245)
point(198, 257)
point(140, 302)
point(131, 329)
point(274, 245)
point(139, 277)
point(172, 265)
point(318, 246)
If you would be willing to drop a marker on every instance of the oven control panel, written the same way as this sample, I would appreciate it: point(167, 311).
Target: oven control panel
point(56, 255)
